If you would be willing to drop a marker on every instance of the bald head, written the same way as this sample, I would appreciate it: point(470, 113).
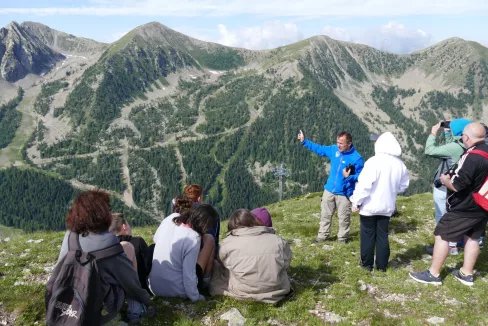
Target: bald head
point(473, 133)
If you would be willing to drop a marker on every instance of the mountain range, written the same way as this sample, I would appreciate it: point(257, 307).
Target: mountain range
point(156, 110)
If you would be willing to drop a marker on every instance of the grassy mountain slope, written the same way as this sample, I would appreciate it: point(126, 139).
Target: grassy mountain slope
point(330, 286)
point(157, 110)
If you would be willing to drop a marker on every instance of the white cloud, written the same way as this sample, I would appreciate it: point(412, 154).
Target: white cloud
point(393, 37)
point(267, 36)
point(273, 8)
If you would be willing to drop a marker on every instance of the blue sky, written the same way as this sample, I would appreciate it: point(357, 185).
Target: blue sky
point(396, 26)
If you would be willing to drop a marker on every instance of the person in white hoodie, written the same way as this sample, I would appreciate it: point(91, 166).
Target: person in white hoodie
point(384, 176)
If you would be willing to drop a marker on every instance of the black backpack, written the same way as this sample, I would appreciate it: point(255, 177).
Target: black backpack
point(74, 291)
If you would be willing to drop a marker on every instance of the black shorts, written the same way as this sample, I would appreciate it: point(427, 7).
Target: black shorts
point(453, 227)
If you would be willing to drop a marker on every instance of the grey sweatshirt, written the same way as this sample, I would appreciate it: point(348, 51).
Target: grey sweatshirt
point(173, 272)
point(116, 270)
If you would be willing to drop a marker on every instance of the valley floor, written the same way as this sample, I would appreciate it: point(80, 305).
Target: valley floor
point(330, 286)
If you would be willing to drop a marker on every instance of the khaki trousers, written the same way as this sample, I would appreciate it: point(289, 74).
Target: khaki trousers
point(328, 206)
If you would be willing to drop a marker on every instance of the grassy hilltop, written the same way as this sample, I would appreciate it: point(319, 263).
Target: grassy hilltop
point(330, 286)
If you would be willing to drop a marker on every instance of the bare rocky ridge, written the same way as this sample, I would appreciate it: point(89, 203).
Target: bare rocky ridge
point(21, 52)
point(63, 42)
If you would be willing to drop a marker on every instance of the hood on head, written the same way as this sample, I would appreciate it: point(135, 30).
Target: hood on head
point(457, 126)
point(387, 144)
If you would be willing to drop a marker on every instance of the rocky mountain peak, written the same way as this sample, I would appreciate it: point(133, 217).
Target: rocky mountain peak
point(21, 52)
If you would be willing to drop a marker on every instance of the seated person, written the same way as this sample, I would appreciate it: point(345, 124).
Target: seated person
point(195, 193)
point(180, 204)
point(184, 254)
point(135, 248)
point(90, 218)
point(263, 215)
point(253, 262)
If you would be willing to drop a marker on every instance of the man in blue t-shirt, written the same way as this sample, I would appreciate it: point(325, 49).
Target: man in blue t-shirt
point(346, 164)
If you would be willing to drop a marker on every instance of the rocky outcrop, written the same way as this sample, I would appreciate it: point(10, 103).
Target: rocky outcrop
point(63, 42)
point(21, 53)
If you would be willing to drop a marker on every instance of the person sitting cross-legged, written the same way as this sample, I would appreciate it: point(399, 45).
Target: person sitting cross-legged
point(253, 262)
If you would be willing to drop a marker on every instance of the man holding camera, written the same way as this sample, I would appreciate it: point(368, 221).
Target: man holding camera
point(467, 212)
point(346, 164)
point(448, 153)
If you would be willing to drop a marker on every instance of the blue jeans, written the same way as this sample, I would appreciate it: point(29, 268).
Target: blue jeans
point(440, 205)
point(439, 202)
point(135, 308)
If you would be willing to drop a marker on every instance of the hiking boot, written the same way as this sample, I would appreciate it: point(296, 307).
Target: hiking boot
point(369, 268)
point(426, 277)
point(429, 250)
point(342, 241)
point(465, 279)
point(318, 240)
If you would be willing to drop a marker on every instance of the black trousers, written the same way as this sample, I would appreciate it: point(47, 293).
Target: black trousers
point(374, 233)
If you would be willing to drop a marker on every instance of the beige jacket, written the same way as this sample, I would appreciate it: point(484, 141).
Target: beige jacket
point(254, 266)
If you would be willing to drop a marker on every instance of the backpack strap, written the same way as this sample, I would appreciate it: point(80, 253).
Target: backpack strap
point(74, 241)
point(477, 151)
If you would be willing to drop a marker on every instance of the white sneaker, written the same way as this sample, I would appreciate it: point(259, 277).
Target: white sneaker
point(453, 251)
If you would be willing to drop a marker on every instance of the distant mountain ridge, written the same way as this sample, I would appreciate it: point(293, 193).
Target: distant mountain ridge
point(156, 110)
point(62, 42)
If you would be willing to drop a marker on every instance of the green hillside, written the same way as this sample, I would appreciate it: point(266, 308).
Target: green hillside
point(156, 110)
point(329, 284)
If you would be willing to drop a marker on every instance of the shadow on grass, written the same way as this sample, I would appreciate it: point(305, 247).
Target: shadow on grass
point(404, 259)
point(403, 226)
point(307, 278)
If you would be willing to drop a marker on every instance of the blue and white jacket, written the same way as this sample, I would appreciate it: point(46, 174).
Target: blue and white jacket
point(336, 183)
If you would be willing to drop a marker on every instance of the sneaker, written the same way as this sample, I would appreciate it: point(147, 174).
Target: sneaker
point(453, 251)
point(465, 279)
point(426, 277)
point(481, 242)
point(429, 250)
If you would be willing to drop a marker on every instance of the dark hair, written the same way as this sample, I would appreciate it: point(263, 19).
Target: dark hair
point(346, 134)
point(243, 218)
point(90, 213)
point(201, 218)
point(182, 203)
point(117, 221)
point(193, 191)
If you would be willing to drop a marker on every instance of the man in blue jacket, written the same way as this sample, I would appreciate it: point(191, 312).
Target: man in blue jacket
point(346, 164)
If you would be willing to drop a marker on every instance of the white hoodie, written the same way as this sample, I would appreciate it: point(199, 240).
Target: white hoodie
point(382, 178)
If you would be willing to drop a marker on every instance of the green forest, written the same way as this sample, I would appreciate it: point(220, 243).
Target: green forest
point(33, 200)
point(10, 119)
point(223, 131)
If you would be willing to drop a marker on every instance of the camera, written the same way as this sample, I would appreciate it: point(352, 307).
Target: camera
point(445, 124)
point(351, 169)
point(438, 183)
